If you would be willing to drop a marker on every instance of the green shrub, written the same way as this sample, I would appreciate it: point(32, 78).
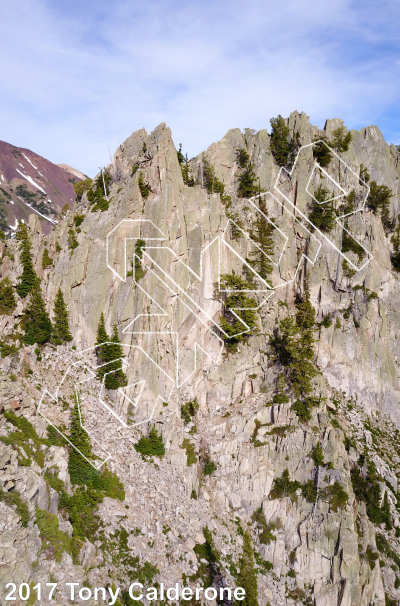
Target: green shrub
point(80, 470)
point(371, 557)
point(309, 491)
point(212, 184)
point(81, 187)
point(260, 258)
point(191, 458)
point(78, 220)
point(13, 499)
point(340, 139)
point(183, 162)
point(366, 487)
point(350, 244)
point(322, 154)
point(247, 182)
point(151, 445)
point(247, 577)
point(140, 245)
point(379, 201)
point(98, 192)
point(322, 213)
point(208, 465)
point(284, 487)
point(72, 241)
point(335, 495)
point(7, 297)
point(242, 157)
point(144, 187)
point(236, 300)
point(189, 410)
point(266, 529)
point(47, 261)
point(24, 439)
point(280, 398)
point(293, 347)
point(395, 255)
point(109, 353)
point(318, 455)
point(53, 539)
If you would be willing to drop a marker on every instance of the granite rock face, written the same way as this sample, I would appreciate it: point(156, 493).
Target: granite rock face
point(316, 551)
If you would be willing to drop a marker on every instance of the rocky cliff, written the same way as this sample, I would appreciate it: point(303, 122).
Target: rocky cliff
point(312, 488)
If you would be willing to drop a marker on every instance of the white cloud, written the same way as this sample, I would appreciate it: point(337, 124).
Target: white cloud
point(79, 79)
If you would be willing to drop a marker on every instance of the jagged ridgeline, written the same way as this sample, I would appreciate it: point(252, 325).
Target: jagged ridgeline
point(275, 466)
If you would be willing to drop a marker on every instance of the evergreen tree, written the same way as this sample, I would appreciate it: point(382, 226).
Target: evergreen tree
point(140, 245)
point(293, 344)
point(248, 576)
point(340, 139)
point(281, 147)
point(243, 306)
point(379, 200)
point(247, 182)
point(210, 181)
point(46, 259)
point(80, 471)
point(263, 236)
point(109, 353)
point(60, 332)
point(395, 256)
point(35, 320)
point(114, 353)
point(7, 298)
point(102, 345)
point(322, 213)
point(322, 154)
point(242, 157)
point(28, 279)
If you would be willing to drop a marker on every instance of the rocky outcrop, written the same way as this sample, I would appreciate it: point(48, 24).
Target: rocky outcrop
point(316, 551)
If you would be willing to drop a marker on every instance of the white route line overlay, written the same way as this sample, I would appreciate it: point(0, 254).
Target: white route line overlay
point(182, 294)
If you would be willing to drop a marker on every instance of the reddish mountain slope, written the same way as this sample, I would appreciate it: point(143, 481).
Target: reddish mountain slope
point(30, 183)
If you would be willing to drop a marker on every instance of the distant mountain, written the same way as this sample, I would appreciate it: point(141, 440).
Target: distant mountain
point(30, 183)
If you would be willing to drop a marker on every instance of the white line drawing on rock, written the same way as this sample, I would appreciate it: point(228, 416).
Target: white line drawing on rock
point(157, 250)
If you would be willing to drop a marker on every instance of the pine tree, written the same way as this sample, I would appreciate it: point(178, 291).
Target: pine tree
point(248, 576)
point(395, 256)
point(322, 213)
point(114, 354)
point(60, 332)
point(244, 307)
point(28, 279)
point(80, 471)
point(46, 259)
point(101, 346)
point(7, 298)
point(263, 236)
point(281, 147)
point(322, 154)
point(109, 353)
point(247, 182)
point(35, 320)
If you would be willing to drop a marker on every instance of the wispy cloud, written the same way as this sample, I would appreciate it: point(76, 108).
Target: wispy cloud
point(78, 76)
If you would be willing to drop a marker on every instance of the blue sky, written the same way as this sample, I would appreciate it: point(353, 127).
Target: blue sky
point(78, 78)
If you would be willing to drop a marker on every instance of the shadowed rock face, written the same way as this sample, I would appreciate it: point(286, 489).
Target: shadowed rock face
point(325, 546)
point(30, 183)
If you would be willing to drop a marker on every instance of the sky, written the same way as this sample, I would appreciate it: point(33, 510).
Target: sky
point(78, 77)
